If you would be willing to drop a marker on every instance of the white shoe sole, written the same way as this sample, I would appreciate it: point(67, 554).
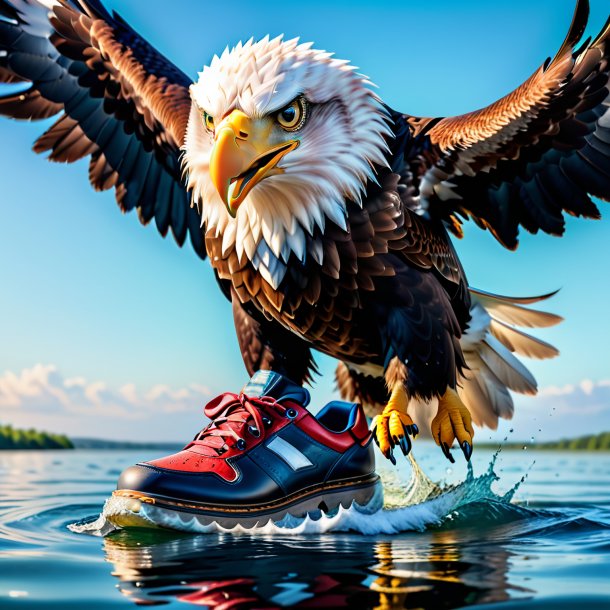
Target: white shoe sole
point(128, 508)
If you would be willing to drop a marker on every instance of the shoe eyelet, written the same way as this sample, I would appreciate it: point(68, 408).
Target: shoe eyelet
point(267, 421)
point(255, 432)
point(291, 413)
point(241, 444)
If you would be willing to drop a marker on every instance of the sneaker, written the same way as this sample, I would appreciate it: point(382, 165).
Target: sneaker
point(262, 457)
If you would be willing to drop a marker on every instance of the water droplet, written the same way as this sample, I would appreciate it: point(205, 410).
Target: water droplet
point(524, 447)
point(532, 439)
point(449, 470)
point(511, 430)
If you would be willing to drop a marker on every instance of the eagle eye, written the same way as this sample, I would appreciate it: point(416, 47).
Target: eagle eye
point(208, 120)
point(293, 116)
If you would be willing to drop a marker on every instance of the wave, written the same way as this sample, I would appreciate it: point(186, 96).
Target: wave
point(416, 506)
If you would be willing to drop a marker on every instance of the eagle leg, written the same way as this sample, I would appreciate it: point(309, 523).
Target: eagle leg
point(394, 425)
point(452, 421)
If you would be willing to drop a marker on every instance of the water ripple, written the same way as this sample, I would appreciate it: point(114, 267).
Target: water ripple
point(478, 541)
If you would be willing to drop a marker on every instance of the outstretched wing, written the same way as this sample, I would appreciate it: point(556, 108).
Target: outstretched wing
point(542, 150)
point(120, 102)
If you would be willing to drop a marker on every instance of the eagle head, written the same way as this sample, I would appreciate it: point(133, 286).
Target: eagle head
point(280, 136)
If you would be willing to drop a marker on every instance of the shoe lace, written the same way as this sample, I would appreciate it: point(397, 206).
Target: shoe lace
point(232, 414)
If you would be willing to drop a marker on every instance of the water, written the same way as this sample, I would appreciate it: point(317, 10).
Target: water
point(549, 548)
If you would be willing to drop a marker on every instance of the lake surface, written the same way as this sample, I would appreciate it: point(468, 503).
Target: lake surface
point(550, 548)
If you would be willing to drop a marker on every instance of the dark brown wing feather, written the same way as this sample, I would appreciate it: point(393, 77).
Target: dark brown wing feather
point(268, 346)
point(121, 102)
point(368, 390)
point(541, 150)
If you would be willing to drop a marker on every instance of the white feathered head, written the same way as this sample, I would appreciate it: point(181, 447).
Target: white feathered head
point(280, 136)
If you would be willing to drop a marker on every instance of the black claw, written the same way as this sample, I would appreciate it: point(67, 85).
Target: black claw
point(415, 430)
point(405, 445)
point(467, 449)
point(447, 453)
point(392, 458)
point(405, 441)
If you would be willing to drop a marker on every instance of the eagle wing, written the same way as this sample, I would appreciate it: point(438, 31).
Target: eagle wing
point(542, 150)
point(119, 101)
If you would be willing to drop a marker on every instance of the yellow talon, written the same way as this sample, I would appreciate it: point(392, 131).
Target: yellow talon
point(394, 425)
point(452, 421)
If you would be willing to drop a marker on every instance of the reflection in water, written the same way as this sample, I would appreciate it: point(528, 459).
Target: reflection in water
point(558, 546)
point(227, 572)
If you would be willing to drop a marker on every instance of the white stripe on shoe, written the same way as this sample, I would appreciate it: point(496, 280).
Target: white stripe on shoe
point(289, 453)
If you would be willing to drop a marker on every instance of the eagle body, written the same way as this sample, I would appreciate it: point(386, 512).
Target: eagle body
point(324, 213)
point(388, 284)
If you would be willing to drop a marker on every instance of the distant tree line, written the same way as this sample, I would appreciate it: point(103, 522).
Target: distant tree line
point(591, 442)
point(13, 438)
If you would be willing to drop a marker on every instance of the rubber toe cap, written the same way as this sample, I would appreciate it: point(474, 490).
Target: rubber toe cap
point(138, 478)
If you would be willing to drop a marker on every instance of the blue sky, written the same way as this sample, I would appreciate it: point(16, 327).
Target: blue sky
point(90, 298)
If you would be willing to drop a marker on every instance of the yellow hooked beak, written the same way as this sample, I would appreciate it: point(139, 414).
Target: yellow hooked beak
point(242, 156)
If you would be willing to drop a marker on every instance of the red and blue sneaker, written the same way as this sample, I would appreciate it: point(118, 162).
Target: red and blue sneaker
point(262, 457)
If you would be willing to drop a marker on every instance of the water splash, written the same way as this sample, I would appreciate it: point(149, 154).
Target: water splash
point(419, 504)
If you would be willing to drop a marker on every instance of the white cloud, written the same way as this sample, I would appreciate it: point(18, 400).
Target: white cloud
point(38, 383)
point(44, 389)
point(587, 396)
point(586, 393)
point(554, 390)
point(563, 411)
point(43, 397)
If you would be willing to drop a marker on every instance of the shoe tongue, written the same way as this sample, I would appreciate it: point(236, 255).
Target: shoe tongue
point(269, 383)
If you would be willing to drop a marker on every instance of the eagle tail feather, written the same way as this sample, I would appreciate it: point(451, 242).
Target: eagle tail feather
point(488, 346)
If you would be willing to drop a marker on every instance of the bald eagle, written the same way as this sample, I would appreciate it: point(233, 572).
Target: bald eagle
point(325, 214)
